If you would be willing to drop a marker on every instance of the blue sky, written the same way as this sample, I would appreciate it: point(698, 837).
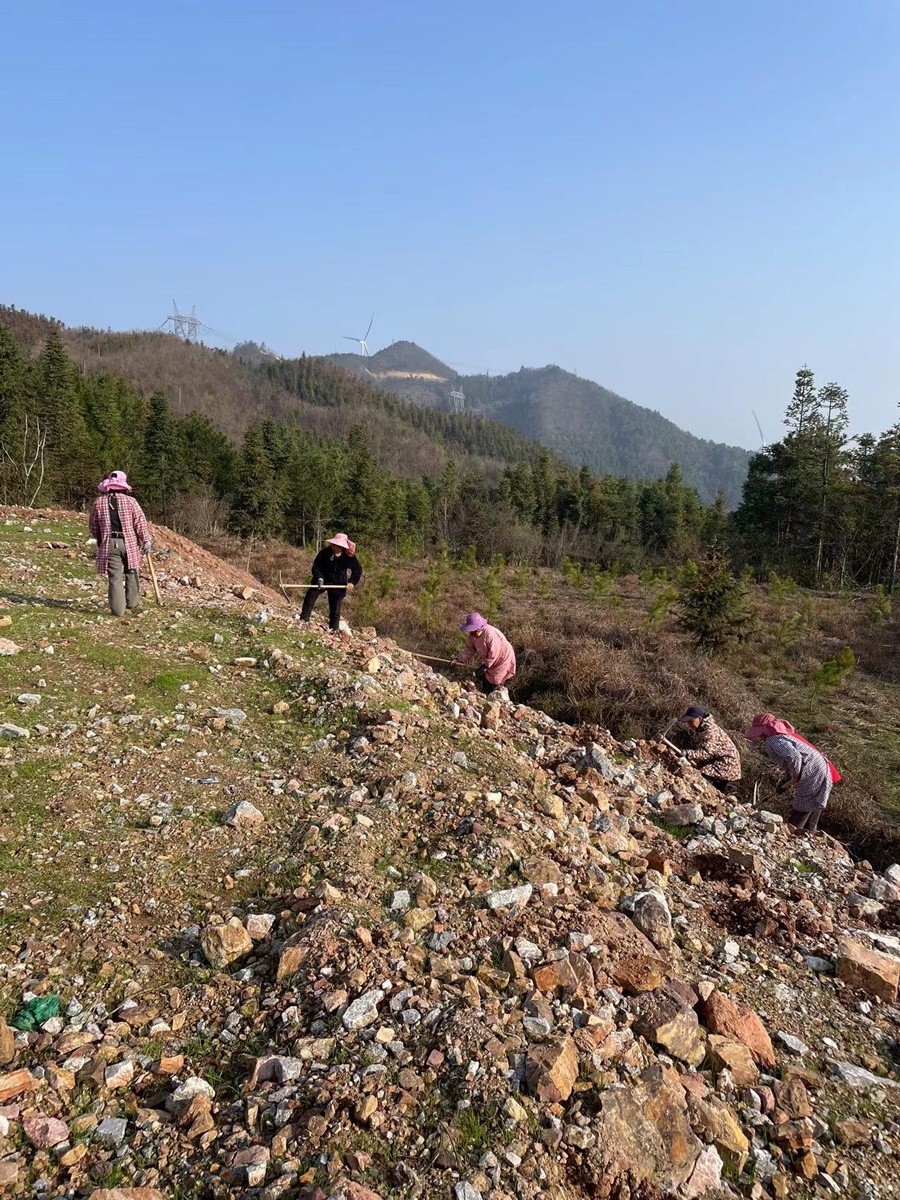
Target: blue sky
point(683, 200)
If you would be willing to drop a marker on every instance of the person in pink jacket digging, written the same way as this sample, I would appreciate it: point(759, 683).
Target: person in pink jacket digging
point(496, 657)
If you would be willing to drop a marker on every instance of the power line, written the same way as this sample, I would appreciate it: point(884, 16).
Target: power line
point(190, 327)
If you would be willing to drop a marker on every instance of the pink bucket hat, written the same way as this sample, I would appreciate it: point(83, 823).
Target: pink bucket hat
point(341, 539)
point(473, 622)
point(116, 481)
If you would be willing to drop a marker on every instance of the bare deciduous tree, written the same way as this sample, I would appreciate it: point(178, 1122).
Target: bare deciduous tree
point(27, 460)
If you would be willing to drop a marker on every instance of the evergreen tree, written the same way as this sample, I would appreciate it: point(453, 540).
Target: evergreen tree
point(211, 459)
point(712, 603)
point(804, 405)
point(13, 375)
point(715, 522)
point(362, 491)
point(56, 406)
point(832, 438)
point(883, 474)
point(20, 439)
point(163, 472)
point(256, 512)
point(114, 417)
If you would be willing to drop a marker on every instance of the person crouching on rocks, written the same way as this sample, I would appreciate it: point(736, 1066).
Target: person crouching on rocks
point(332, 565)
point(118, 523)
point(496, 657)
point(712, 751)
point(804, 769)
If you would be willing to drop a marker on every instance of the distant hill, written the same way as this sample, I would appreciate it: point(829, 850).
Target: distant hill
point(506, 415)
point(404, 369)
point(583, 422)
point(251, 384)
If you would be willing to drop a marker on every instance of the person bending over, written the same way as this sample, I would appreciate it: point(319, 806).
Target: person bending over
point(496, 657)
point(712, 751)
point(805, 771)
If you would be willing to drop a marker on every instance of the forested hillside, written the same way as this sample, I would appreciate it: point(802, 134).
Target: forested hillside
point(289, 447)
point(584, 423)
point(319, 448)
point(233, 390)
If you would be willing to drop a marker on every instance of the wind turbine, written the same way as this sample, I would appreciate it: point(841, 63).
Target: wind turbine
point(363, 347)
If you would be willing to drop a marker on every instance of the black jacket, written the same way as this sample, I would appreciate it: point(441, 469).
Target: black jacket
point(333, 568)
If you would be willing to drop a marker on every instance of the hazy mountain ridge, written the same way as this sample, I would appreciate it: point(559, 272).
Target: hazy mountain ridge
point(582, 421)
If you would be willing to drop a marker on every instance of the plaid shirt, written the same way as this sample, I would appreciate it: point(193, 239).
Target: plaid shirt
point(135, 529)
point(714, 753)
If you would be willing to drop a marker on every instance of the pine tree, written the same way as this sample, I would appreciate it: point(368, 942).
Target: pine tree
point(715, 522)
point(884, 476)
point(256, 512)
point(61, 419)
point(212, 461)
point(163, 472)
point(832, 439)
point(713, 603)
point(362, 492)
point(21, 468)
point(114, 417)
point(13, 376)
point(804, 405)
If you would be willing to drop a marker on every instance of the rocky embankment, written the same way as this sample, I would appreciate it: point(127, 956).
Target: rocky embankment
point(444, 947)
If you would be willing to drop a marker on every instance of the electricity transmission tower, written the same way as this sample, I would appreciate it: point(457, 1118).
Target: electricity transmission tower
point(457, 400)
point(183, 325)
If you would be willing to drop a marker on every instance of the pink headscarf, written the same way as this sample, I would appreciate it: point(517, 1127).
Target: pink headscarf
point(767, 725)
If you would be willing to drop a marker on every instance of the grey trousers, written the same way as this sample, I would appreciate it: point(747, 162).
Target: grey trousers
point(124, 585)
point(806, 820)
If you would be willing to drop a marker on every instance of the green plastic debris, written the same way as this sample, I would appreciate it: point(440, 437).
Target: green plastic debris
point(33, 1014)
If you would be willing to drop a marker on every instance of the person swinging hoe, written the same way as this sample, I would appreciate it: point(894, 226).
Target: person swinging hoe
point(496, 657)
point(337, 571)
point(807, 775)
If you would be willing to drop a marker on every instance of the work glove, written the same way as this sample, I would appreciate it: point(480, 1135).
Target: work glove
point(320, 582)
point(782, 786)
point(147, 547)
point(350, 587)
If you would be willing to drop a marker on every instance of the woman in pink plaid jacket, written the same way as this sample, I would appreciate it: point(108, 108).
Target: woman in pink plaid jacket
point(118, 523)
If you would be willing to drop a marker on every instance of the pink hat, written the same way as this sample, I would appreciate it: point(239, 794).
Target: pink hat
point(116, 481)
point(473, 622)
point(341, 539)
point(766, 725)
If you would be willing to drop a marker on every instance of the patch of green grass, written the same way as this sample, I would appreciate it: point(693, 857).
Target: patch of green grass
point(474, 1127)
point(111, 656)
point(154, 1048)
point(806, 868)
point(172, 681)
point(679, 832)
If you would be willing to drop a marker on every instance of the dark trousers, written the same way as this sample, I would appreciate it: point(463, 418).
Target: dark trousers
point(725, 786)
point(335, 600)
point(484, 684)
point(806, 820)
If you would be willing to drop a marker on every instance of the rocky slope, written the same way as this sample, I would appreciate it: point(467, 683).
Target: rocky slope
point(322, 923)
